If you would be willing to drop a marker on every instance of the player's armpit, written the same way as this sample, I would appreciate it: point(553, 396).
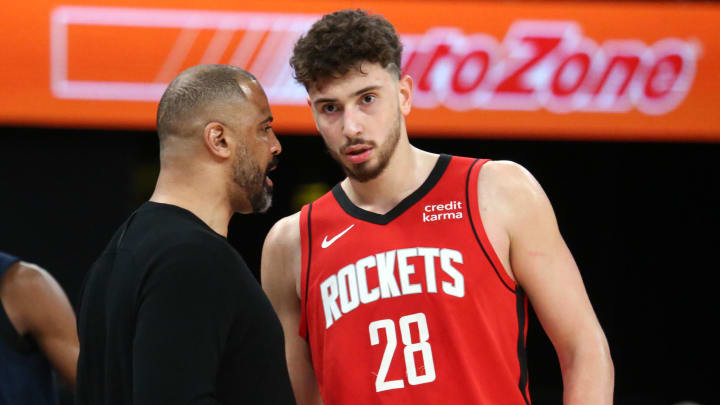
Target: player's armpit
point(545, 269)
point(44, 311)
point(280, 272)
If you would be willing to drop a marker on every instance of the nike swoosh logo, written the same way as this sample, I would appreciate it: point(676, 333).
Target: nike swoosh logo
point(326, 242)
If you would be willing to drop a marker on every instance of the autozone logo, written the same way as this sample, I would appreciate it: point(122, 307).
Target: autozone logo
point(551, 65)
point(538, 65)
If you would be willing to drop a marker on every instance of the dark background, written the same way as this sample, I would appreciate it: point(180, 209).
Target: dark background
point(640, 218)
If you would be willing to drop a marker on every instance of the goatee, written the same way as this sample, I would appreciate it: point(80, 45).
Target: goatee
point(248, 175)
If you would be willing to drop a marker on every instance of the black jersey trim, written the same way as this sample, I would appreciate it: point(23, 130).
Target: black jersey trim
point(521, 348)
point(307, 274)
point(472, 225)
point(383, 219)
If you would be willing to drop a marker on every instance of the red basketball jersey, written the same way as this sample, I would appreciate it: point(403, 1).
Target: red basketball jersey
point(413, 306)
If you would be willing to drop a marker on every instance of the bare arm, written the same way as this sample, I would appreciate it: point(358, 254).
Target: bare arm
point(37, 305)
point(542, 264)
point(280, 272)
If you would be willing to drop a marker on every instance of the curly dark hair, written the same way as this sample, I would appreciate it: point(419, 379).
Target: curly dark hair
point(339, 41)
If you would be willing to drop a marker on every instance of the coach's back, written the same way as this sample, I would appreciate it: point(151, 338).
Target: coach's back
point(165, 287)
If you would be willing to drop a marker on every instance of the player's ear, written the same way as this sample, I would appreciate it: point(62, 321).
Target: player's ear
point(215, 138)
point(405, 93)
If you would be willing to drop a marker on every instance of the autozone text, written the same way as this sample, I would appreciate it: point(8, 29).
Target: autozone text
point(548, 64)
point(349, 286)
point(539, 64)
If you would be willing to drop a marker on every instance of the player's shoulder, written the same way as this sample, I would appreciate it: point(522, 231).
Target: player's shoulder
point(509, 187)
point(505, 168)
point(281, 254)
point(284, 233)
point(512, 194)
point(27, 278)
point(29, 292)
point(506, 176)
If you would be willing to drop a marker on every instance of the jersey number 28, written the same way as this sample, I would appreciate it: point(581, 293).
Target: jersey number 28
point(381, 384)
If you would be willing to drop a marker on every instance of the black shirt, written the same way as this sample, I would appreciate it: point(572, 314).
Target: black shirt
point(170, 314)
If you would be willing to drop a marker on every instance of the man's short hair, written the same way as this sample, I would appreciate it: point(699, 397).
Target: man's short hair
point(194, 89)
point(340, 41)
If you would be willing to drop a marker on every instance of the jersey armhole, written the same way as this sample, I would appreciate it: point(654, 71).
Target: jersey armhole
point(478, 228)
point(8, 333)
point(305, 243)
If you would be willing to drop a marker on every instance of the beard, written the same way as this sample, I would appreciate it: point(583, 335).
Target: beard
point(250, 177)
point(364, 172)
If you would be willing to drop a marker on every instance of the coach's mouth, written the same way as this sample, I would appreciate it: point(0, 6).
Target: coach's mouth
point(270, 167)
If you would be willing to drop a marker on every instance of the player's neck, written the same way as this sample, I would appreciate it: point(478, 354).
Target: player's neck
point(407, 169)
point(208, 200)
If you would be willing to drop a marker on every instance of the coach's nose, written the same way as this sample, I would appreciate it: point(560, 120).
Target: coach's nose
point(275, 147)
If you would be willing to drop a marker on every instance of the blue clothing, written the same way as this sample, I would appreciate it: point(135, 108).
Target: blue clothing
point(26, 376)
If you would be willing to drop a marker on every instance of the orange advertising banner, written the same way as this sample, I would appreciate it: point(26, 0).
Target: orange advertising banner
point(547, 70)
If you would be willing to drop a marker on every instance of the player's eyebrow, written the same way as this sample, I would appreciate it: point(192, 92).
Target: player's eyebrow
point(357, 93)
point(365, 90)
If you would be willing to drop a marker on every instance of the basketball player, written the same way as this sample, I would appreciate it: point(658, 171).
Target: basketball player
point(37, 334)
point(408, 282)
point(170, 313)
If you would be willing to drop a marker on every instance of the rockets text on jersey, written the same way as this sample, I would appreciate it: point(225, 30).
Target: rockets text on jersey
point(349, 287)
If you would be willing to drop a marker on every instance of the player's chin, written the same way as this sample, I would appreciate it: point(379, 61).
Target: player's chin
point(363, 172)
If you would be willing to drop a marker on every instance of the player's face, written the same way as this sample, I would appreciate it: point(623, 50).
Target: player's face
point(255, 153)
point(360, 117)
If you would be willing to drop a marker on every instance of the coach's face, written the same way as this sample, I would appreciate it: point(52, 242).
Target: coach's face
point(255, 151)
point(361, 118)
